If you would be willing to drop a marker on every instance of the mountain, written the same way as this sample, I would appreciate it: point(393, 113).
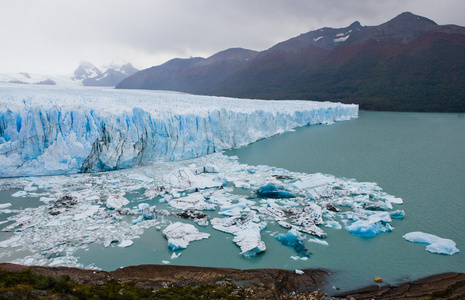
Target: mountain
point(195, 75)
point(110, 75)
point(409, 63)
point(37, 79)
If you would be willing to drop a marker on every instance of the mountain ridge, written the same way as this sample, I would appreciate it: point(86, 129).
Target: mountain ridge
point(408, 63)
point(109, 75)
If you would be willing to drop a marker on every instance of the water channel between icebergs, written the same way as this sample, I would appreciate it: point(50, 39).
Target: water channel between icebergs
point(416, 157)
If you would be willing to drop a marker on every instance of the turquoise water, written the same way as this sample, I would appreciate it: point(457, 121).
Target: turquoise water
point(415, 156)
point(419, 157)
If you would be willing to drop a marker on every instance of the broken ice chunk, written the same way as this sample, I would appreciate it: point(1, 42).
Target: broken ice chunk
point(318, 241)
point(9, 242)
point(88, 210)
point(125, 243)
point(246, 233)
point(271, 190)
point(207, 169)
point(368, 228)
point(116, 201)
point(157, 191)
point(19, 194)
point(241, 184)
point(179, 235)
point(235, 209)
point(435, 244)
point(139, 177)
point(194, 201)
point(186, 179)
point(294, 239)
point(197, 216)
point(314, 180)
point(5, 205)
point(333, 224)
point(398, 214)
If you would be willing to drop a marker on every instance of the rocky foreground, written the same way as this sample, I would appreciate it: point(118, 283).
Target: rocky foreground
point(252, 284)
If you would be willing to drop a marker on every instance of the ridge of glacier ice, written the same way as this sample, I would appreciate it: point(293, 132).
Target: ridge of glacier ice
point(52, 131)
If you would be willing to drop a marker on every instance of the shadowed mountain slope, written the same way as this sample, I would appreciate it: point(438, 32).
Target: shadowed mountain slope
point(406, 64)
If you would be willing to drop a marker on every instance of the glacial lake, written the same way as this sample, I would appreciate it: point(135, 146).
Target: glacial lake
point(419, 157)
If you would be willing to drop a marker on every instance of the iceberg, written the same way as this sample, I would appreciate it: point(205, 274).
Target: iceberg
point(116, 201)
point(294, 239)
point(371, 226)
point(125, 243)
point(195, 201)
point(246, 233)
point(51, 131)
point(435, 244)
point(5, 205)
point(273, 191)
point(179, 235)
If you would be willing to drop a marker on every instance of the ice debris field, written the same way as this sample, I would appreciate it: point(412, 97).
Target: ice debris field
point(176, 183)
point(215, 190)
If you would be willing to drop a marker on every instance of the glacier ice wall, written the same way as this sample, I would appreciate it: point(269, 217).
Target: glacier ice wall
point(50, 131)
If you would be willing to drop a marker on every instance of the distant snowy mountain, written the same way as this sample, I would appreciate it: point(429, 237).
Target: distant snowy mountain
point(37, 79)
point(109, 75)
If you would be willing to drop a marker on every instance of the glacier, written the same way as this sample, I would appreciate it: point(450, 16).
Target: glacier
point(48, 130)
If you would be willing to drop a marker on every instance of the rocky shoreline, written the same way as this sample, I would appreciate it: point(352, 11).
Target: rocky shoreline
point(262, 283)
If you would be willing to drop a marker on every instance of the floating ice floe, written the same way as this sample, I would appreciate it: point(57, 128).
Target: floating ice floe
point(245, 230)
point(435, 244)
point(273, 191)
point(318, 241)
point(192, 201)
point(371, 225)
point(125, 243)
point(294, 239)
point(179, 235)
point(19, 194)
point(116, 201)
point(5, 205)
point(187, 179)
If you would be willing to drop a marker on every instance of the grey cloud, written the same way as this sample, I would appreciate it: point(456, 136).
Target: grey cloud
point(57, 34)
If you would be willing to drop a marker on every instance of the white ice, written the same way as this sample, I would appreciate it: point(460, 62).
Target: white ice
point(116, 201)
point(179, 235)
point(435, 244)
point(49, 131)
point(125, 243)
point(246, 232)
point(112, 207)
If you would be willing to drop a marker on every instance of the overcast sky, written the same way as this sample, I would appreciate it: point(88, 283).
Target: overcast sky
point(53, 36)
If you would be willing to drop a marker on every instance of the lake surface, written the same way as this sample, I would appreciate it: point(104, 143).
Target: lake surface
point(418, 157)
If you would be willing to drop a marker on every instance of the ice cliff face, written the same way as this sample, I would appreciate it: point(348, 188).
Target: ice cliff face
point(48, 131)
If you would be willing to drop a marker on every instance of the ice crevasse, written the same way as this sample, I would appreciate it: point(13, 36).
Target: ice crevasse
point(51, 131)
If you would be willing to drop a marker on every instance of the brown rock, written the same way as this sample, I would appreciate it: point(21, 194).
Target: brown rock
point(378, 279)
point(441, 286)
point(267, 283)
